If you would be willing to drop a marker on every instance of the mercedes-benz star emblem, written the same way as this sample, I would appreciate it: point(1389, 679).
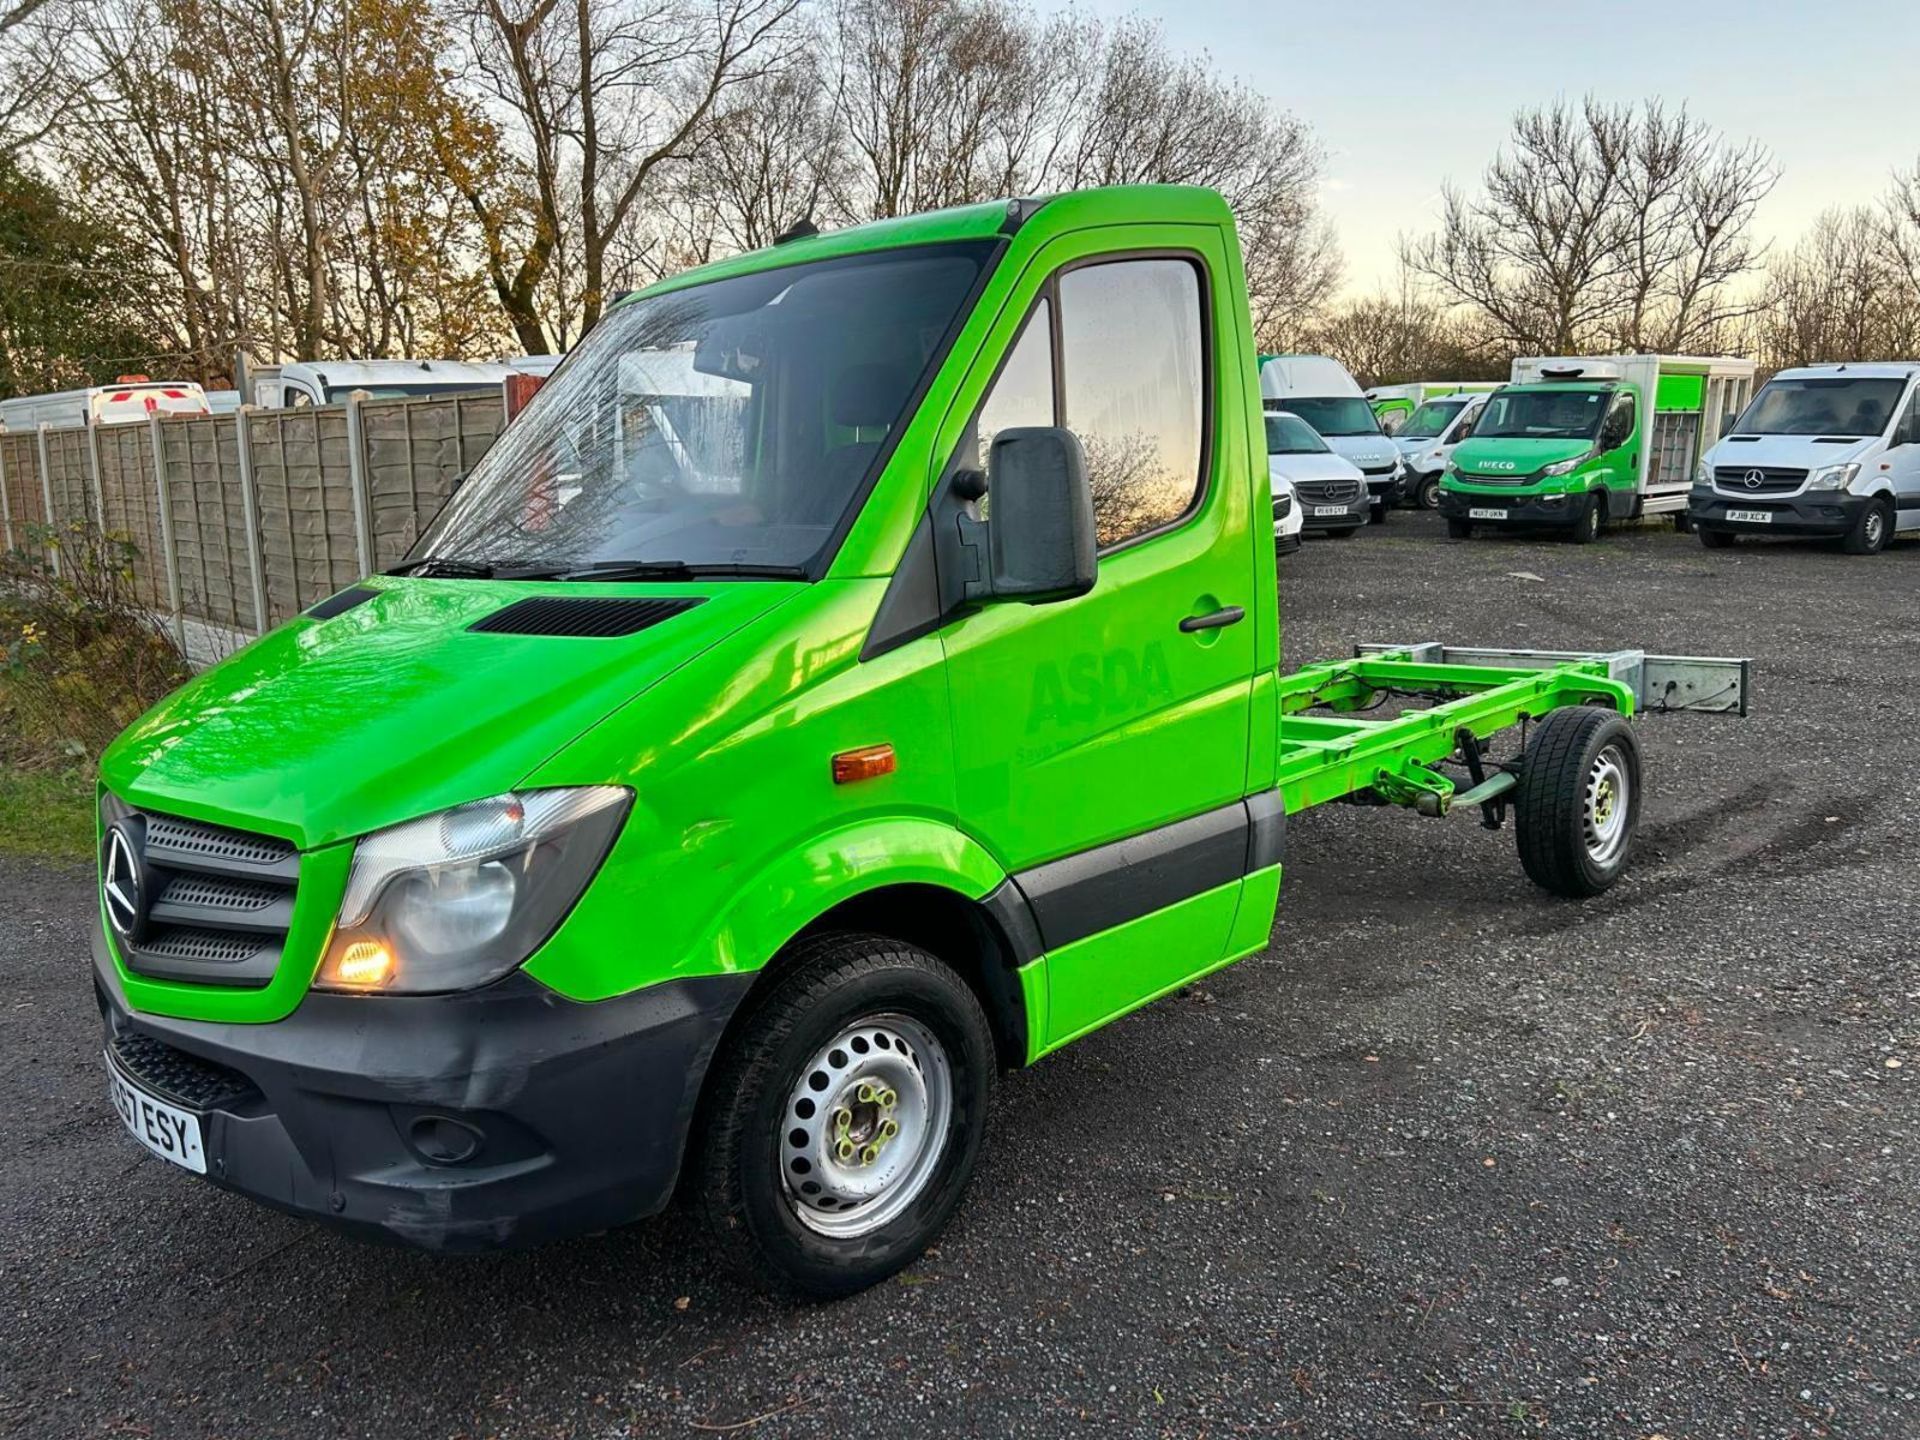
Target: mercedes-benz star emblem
point(1755, 479)
point(120, 884)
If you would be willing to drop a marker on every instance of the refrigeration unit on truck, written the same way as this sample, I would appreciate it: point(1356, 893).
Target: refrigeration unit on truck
point(130, 398)
point(1573, 442)
point(1829, 451)
point(1319, 390)
point(1394, 405)
point(717, 816)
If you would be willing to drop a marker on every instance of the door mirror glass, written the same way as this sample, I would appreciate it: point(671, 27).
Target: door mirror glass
point(1040, 539)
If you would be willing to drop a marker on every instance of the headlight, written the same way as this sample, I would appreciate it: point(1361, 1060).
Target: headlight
point(1833, 477)
point(1703, 474)
point(458, 899)
point(1566, 467)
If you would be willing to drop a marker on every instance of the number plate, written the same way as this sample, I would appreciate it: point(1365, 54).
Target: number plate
point(1486, 514)
point(168, 1131)
point(1750, 517)
point(1329, 509)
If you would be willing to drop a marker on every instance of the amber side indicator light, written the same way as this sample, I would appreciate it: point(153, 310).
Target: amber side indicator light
point(867, 763)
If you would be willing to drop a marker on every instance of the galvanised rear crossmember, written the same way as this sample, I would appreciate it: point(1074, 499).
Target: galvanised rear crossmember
point(1331, 750)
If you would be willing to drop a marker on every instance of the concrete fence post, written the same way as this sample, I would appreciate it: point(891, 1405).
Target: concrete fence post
point(250, 512)
point(46, 498)
point(99, 484)
point(6, 505)
point(357, 478)
point(167, 555)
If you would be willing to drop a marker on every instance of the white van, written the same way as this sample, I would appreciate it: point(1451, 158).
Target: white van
point(1426, 441)
point(131, 397)
point(1830, 451)
point(329, 382)
point(1325, 493)
point(1319, 390)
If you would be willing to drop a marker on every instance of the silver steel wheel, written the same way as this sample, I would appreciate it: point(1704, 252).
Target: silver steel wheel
point(1608, 801)
point(865, 1126)
point(1876, 531)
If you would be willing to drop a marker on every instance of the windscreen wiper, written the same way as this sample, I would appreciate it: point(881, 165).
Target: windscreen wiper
point(676, 570)
point(449, 567)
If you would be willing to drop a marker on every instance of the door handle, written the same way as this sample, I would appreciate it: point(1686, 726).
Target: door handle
point(1215, 620)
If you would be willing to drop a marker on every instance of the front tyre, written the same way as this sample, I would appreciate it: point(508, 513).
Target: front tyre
point(1427, 496)
point(1871, 531)
point(1586, 529)
point(840, 1125)
point(1578, 802)
point(1459, 529)
point(1715, 539)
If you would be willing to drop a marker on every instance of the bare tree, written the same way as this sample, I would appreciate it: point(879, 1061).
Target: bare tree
point(1404, 334)
point(606, 95)
point(1602, 225)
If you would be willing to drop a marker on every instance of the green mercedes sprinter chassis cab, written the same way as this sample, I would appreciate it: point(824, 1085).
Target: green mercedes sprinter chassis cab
point(854, 673)
point(1578, 441)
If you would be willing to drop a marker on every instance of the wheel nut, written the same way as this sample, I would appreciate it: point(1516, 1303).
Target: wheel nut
point(844, 1150)
point(888, 1129)
point(870, 1154)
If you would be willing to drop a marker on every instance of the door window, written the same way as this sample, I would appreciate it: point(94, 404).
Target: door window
point(1619, 426)
point(1123, 369)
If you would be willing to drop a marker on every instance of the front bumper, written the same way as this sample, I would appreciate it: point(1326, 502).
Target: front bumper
point(1828, 514)
point(1544, 511)
point(1386, 489)
point(356, 1110)
point(1352, 513)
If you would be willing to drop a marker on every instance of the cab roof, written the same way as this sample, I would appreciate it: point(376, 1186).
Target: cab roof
point(1857, 369)
point(1108, 205)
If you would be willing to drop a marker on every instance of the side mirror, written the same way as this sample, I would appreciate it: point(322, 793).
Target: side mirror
point(1040, 539)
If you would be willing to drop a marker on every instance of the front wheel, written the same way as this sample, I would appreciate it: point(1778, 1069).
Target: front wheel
point(1872, 531)
point(841, 1124)
point(1427, 496)
point(1578, 802)
point(1715, 539)
point(1380, 512)
point(1586, 529)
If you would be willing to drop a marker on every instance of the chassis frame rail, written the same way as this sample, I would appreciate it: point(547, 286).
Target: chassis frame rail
point(1475, 693)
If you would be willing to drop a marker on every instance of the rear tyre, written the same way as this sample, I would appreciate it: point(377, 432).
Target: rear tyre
point(1459, 529)
point(1578, 802)
point(1716, 539)
point(1345, 532)
point(1586, 529)
point(840, 1125)
point(1871, 531)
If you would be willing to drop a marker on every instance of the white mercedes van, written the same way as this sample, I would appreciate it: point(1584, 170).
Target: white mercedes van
point(1319, 390)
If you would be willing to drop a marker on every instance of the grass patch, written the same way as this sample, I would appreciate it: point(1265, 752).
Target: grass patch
point(46, 816)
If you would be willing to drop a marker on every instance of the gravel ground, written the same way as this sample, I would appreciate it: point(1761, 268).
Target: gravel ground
point(1451, 1158)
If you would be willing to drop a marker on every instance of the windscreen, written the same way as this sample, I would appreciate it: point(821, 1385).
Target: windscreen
point(1336, 414)
point(1290, 435)
point(1431, 420)
point(1840, 405)
point(727, 425)
point(1542, 415)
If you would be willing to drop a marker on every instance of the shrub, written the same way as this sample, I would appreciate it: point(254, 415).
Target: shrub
point(80, 656)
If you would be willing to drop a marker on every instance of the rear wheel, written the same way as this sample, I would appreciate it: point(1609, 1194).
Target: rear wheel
point(1459, 529)
point(1715, 539)
point(1578, 802)
point(840, 1126)
point(1871, 531)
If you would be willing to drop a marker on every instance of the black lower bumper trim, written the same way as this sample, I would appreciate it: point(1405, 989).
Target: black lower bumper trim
point(1531, 511)
point(1828, 514)
point(498, 1118)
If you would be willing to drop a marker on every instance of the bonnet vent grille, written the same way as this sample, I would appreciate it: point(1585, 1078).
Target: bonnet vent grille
point(339, 604)
point(595, 618)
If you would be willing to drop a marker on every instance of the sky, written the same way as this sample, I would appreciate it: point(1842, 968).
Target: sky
point(1405, 96)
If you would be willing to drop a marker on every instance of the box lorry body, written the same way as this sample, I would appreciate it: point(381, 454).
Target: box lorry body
point(1825, 451)
point(1319, 390)
point(715, 814)
point(1574, 442)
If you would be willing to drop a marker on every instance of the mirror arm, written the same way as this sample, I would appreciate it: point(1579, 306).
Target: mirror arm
point(976, 579)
